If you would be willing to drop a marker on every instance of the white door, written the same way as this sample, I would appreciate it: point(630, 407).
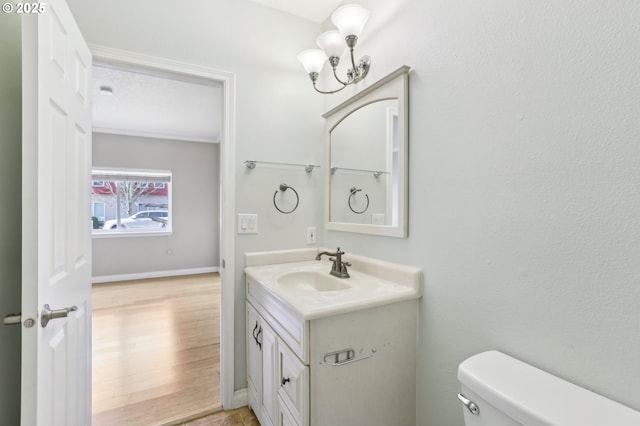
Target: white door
point(56, 220)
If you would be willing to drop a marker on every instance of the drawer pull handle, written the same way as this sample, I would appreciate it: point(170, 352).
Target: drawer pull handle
point(255, 335)
point(345, 356)
point(258, 341)
point(285, 380)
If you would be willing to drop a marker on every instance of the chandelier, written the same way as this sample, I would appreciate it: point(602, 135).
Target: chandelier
point(350, 20)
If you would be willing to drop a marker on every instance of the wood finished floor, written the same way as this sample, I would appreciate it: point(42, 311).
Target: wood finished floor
point(156, 351)
point(240, 417)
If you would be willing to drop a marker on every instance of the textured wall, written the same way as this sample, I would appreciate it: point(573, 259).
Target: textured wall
point(524, 187)
point(10, 213)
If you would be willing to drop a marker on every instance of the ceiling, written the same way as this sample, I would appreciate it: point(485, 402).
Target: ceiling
point(312, 10)
point(171, 107)
point(161, 106)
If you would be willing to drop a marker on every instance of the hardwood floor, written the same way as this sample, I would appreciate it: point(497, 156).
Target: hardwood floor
point(156, 350)
point(240, 417)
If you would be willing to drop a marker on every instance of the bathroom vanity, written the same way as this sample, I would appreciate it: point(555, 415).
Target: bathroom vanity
point(323, 350)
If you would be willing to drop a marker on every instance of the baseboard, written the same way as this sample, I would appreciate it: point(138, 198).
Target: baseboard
point(153, 274)
point(240, 399)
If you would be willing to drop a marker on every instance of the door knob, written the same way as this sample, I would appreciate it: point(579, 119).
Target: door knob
point(48, 314)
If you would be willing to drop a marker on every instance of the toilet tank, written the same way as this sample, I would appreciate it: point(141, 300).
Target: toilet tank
point(508, 392)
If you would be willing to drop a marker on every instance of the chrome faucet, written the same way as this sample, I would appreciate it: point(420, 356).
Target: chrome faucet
point(339, 268)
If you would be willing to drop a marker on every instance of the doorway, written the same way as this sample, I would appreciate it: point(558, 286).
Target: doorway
point(159, 66)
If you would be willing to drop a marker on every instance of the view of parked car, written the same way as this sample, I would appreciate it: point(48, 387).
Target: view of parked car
point(148, 219)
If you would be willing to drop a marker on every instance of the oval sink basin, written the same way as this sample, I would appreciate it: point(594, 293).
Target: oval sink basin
point(312, 281)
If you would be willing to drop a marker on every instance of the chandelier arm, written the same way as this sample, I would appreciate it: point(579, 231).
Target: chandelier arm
point(329, 92)
point(314, 77)
point(348, 82)
point(356, 70)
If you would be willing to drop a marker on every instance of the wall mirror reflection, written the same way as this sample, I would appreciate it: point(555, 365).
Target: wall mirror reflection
point(367, 159)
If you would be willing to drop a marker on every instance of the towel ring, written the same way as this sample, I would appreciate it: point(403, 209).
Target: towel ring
point(284, 187)
point(353, 191)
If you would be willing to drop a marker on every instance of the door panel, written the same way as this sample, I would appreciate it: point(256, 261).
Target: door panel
point(56, 225)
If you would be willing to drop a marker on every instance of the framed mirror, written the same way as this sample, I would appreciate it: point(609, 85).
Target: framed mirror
point(366, 156)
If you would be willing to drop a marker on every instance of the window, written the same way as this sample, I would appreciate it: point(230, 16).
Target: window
point(97, 213)
point(131, 201)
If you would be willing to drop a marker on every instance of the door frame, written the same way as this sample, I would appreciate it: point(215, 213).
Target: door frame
point(227, 197)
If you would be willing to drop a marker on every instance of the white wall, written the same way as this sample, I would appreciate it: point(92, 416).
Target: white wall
point(524, 167)
point(195, 206)
point(524, 186)
point(278, 116)
point(10, 213)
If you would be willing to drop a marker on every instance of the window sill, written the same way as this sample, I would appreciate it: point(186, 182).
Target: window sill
point(125, 234)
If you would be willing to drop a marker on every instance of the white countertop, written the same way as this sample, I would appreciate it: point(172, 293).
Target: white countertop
point(365, 290)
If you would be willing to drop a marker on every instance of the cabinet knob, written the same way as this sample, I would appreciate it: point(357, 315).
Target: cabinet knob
point(285, 380)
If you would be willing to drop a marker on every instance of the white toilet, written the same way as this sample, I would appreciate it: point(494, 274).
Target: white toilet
point(498, 390)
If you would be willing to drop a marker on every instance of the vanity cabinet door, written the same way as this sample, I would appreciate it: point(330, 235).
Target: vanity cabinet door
point(270, 371)
point(285, 416)
point(254, 359)
point(262, 367)
point(293, 384)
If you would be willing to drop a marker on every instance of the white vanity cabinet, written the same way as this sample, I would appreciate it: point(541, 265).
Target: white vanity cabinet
point(278, 379)
point(350, 368)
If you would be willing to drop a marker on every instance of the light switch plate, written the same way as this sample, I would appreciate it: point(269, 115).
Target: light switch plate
point(247, 223)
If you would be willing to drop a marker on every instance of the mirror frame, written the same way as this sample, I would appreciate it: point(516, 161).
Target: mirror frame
point(393, 86)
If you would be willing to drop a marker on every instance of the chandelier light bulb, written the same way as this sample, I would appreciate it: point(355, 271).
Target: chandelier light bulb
point(332, 43)
point(350, 19)
point(312, 60)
